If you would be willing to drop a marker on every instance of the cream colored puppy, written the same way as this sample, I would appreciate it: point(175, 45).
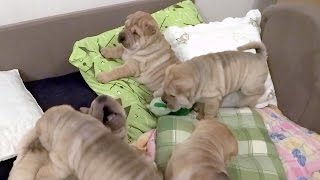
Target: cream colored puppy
point(204, 154)
point(32, 155)
point(208, 78)
point(111, 113)
point(79, 144)
point(63, 131)
point(144, 50)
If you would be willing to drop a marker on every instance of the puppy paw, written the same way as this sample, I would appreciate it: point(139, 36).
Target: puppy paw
point(200, 116)
point(107, 52)
point(102, 77)
point(198, 107)
point(158, 93)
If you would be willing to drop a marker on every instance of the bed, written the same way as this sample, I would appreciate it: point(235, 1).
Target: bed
point(68, 87)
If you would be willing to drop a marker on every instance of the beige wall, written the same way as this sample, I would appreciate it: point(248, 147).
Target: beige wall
point(212, 10)
point(15, 11)
point(315, 2)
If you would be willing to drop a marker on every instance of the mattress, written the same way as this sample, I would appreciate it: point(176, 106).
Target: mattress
point(69, 89)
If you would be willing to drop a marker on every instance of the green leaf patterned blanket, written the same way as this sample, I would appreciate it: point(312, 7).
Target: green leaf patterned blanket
point(134, 96)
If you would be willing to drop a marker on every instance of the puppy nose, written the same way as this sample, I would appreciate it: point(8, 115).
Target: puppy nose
point(121, 37)
point(164, 100)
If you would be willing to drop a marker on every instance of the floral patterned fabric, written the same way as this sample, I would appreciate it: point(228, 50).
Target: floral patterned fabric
point(298, 147)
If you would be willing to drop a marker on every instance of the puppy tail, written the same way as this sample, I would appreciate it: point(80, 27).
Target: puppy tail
point(258, 46)
point(30, 142)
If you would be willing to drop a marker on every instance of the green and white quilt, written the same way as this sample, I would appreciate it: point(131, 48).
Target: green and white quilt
point(257, 158)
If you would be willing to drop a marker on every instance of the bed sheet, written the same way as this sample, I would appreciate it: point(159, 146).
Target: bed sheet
point(69, 89)
point(298, 147)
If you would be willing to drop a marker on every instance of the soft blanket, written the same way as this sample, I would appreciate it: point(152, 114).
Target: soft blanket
point(298, 147)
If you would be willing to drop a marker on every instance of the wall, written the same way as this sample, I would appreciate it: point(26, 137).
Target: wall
point(14, 11)
point(213, 10)
point(314, 2)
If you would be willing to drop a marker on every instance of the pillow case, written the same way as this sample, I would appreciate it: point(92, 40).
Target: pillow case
point(190, 41)
point(134, 96)
point(257, 158)
point(19, 112)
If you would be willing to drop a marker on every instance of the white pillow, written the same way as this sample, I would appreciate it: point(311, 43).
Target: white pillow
point(19, 112)
point(190, 41)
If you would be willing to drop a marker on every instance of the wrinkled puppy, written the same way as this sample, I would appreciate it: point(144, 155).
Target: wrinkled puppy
point(144, 49)
point(32, 155)
point(208, 78)
point(204, 154)
point(79, 144)
point(111, 113)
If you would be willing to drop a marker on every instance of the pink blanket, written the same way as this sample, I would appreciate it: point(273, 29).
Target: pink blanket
point(298, 148)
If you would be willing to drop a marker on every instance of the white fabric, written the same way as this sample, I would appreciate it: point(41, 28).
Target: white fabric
point(190, 41)
point(19, 112)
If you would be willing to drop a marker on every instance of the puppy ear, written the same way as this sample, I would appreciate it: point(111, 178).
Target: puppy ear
point(95, 111)
point(136, 14)
point(150, 28)
point(222, 176)
point(183, 84)
point(130, 16)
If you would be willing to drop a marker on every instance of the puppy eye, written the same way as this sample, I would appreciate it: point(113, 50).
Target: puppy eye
point(171, 95)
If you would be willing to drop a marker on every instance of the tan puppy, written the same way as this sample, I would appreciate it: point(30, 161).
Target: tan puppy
point(145, 51)
point(207, 79)
point(79, 144)
point(111, 113)
point(32, 155)
point(204, 154)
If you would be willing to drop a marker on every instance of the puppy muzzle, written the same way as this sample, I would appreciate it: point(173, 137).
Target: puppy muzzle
point(121, 37)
